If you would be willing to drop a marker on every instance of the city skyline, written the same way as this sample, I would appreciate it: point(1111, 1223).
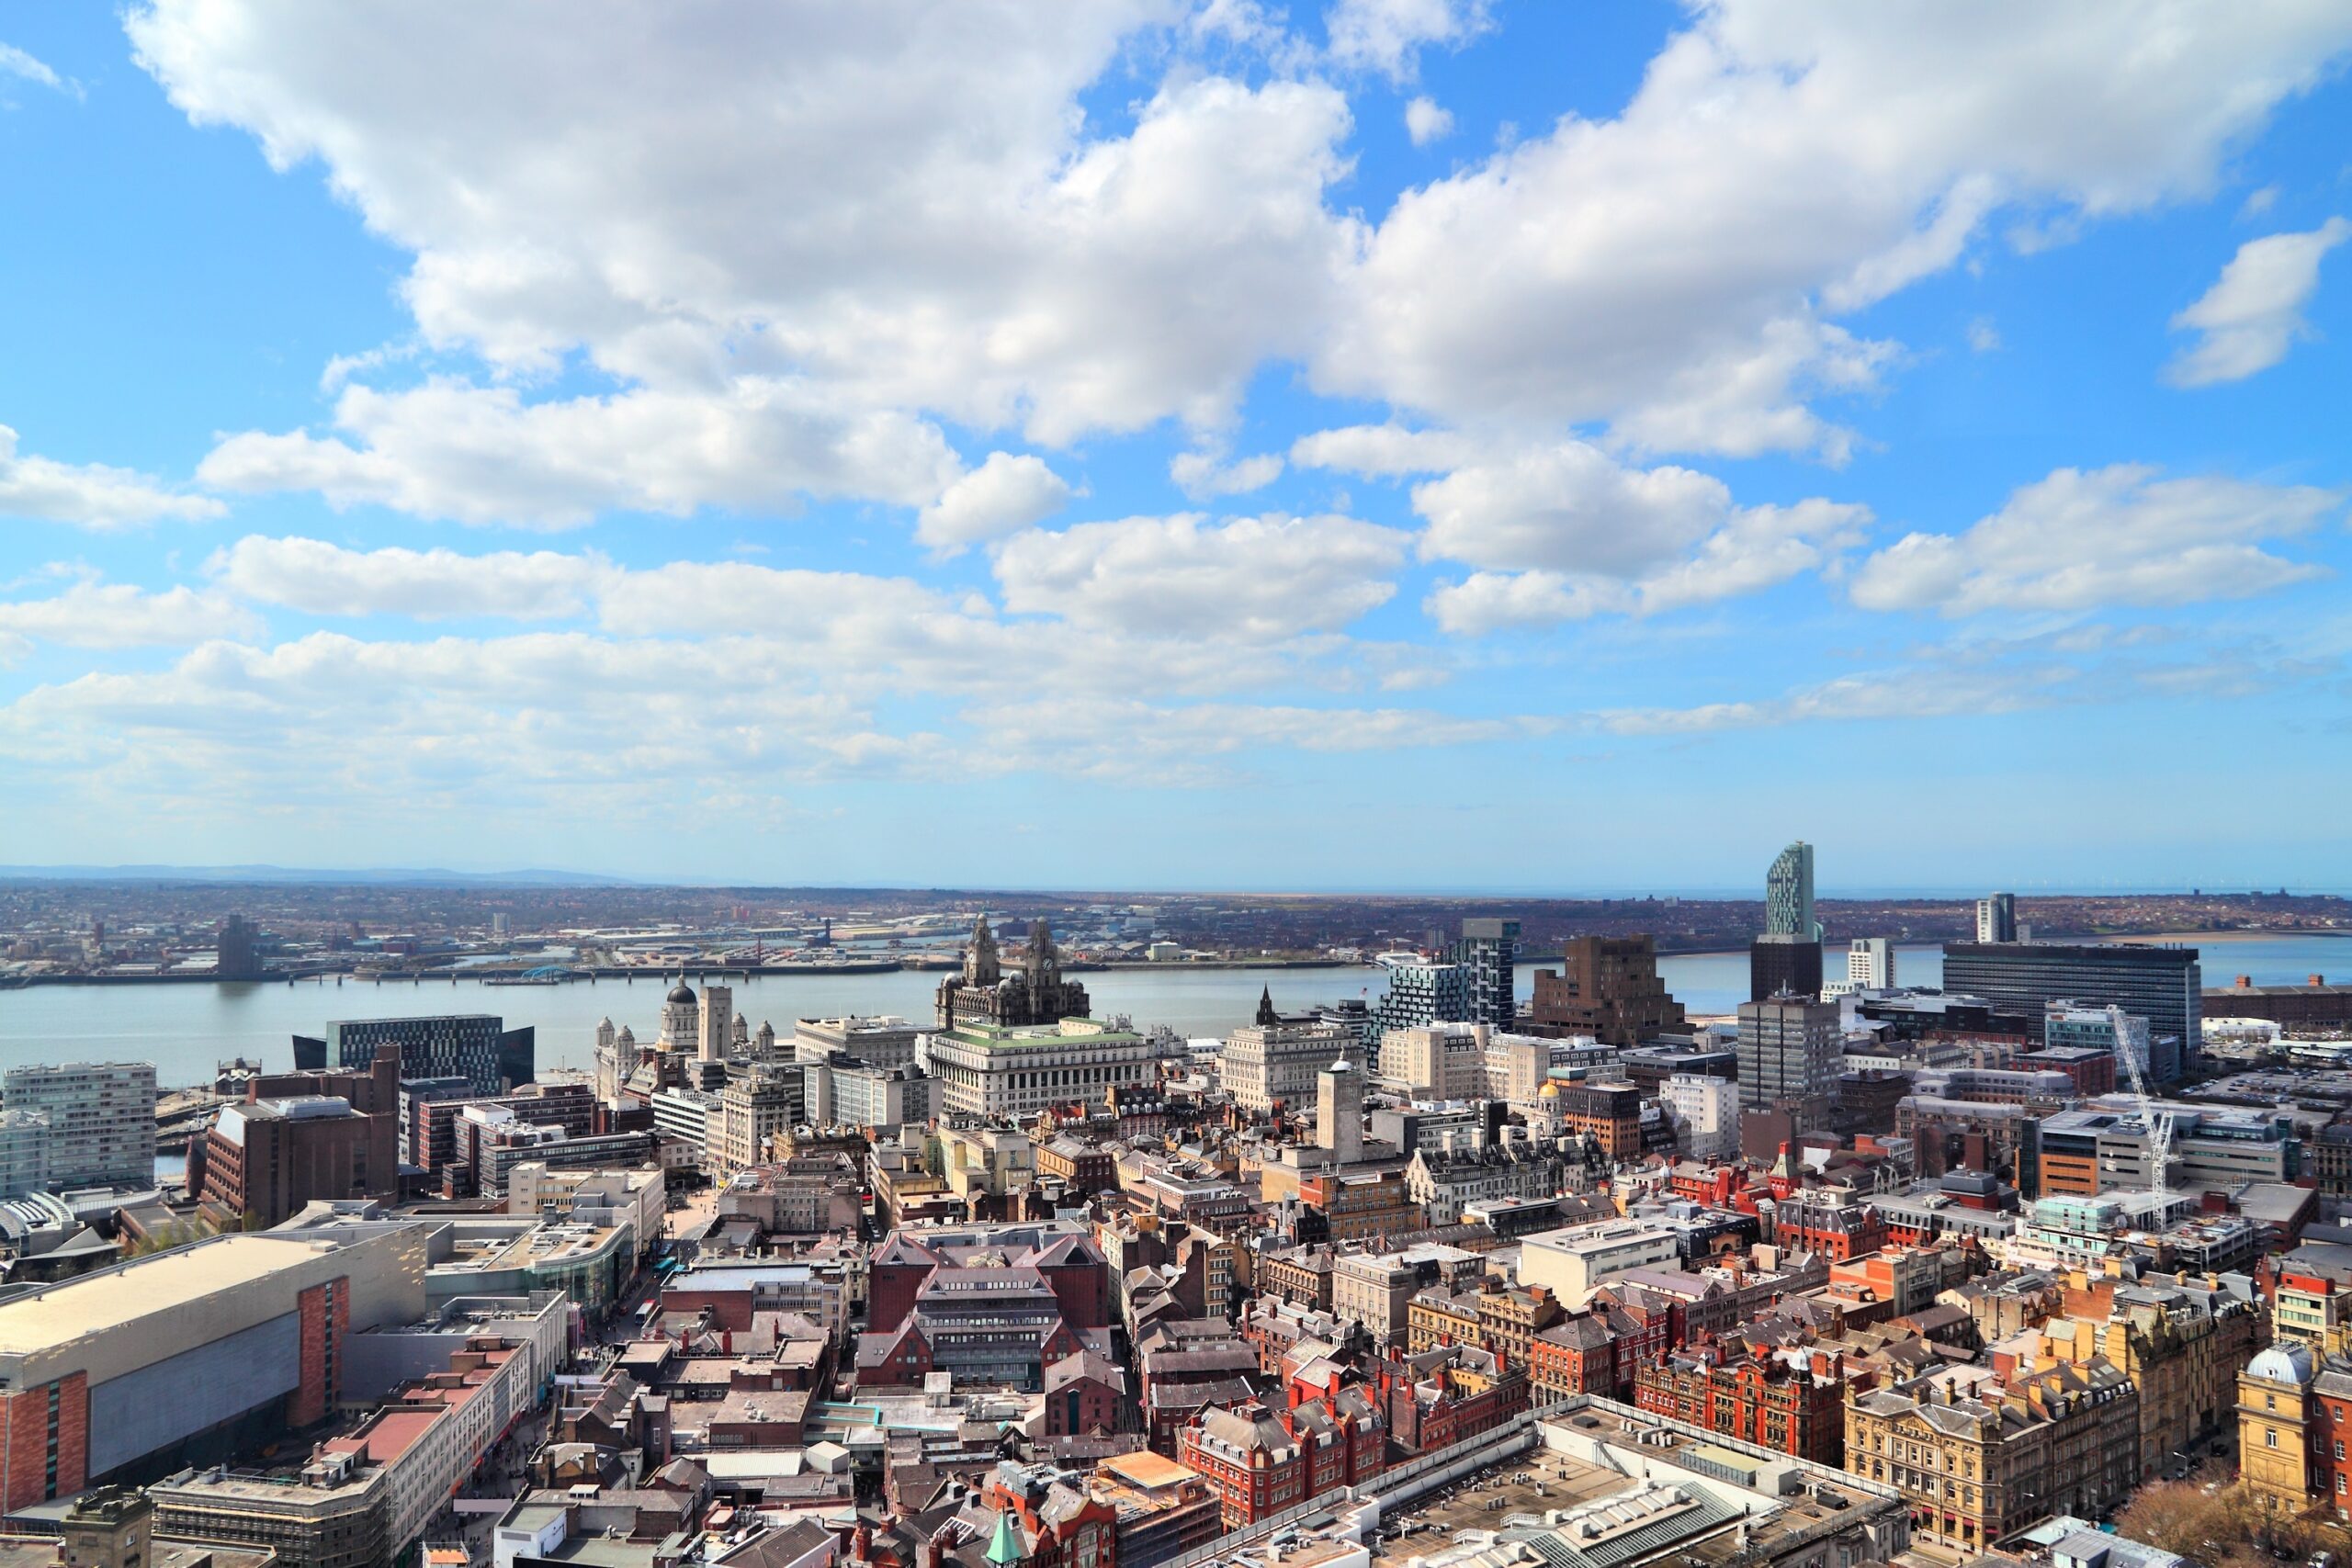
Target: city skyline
point(1182, 444)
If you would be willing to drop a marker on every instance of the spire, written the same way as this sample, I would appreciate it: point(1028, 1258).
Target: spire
point(1267, 1017)
point(1004, 1547)
point(980, 966)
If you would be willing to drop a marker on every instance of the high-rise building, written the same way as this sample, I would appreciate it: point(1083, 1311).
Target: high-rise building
point(24, 1153)
point(477, 1047)
point(1274, 1060)
point(1017, 1071)
point(1489, 949)
point(881, 1041)
point(1788, 894)
point(752, 1109)
point(236, 952)
point(1789, 1050)
point(1779, 964)
point(2162, 985)
point(101, 1119)
point(1997, 918)
point(1869, 963)
point(1339, 1112)
point(716, 1035)
point(984, 992)
point(1607, 987)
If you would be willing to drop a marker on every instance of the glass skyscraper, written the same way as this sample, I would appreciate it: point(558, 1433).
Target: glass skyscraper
point(1788, 894)
point(2162, 985)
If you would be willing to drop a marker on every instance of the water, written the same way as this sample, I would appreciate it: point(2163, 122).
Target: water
point(185, 1028)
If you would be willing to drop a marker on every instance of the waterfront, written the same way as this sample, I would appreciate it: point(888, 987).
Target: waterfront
point(185, 1028)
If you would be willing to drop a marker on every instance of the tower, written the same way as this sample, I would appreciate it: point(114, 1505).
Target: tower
point(1339, 1112)
point(1788, 894)
point(1997, 918)
point(980, 966)
point(1042, 965)
point(1267, 1016)
point(681, 1018)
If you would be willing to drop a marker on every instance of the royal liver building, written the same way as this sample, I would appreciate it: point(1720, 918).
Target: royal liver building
point(985, 993)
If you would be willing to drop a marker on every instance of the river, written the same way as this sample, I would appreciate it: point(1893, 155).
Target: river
point(185, 1028)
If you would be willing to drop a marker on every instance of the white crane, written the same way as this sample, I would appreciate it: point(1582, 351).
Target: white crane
point(2156, 1124)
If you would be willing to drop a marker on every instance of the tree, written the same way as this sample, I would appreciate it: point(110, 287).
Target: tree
point(2183, 1518)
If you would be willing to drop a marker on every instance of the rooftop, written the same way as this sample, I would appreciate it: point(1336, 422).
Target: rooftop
point(115, 1298)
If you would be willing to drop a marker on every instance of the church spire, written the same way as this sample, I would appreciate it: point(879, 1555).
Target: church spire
point(1267, 1016)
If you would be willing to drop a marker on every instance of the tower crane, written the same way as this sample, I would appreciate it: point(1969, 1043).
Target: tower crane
point(2157, 1125)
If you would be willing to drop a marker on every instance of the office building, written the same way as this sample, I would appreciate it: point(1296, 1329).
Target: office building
point(1017, 1070)
point(202, 1350)
point(237, 949)
point(752, 1109)
point(264, 1160)
point(1783, 965)
point(868, 1095)
point(477, 1047)
point(1606, 987)
point(1339, 1112)
point(2162, 985)
point(984, 992)
point(101, 1119)
point(1789, 1050)
point(24, 1153)
point(1997, 918)
point(1574, 1262)
point(1489, 950)
point(1705, 1115)
point(1869, 963)
point(880, 1042)
point(1275, 1060)
point(1788, 894)
point(2122, 1035)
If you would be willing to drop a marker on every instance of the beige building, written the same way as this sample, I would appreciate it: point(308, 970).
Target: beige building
point(995, 1161)
point(752, 1109)
point(1015, 1071)
point(1980, 1454)
point(2181, 1341)
point(1575, 1261)
point(1271, 1063)
point(2275, 1456)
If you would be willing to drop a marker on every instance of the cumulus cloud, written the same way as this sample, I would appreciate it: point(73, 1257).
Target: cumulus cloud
point(1003, 495)
point(92, 614)
point(2119, 535)
point(88, 495)
point(2253, 314)
point(1668, 271)
point(1387, 36)
point(1427, 120)
point(1201, 474)
point(321, 579)
point(1254, 578)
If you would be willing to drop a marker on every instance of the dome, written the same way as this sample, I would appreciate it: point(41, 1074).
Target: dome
point(2282, 1363)
point(1549, 1091)
point(681, 992)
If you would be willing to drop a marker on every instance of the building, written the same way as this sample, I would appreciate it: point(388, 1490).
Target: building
point(753, 1108)
point(203, 1350)
point(2314, 1006)
point(1997, 918)
point(965, 1299)
point(1262, 1461)
point(1793, 1402)
point(1869, 963)
point(265, 1160)
point(1273, 1062)
point(714, 1031)
point(2182, 1340)
point(984, 993)
point(1983, 1452)
point(24, 1153)
point(2125, 1037)
point(2162, 985)
point(1488, 953)
point(1783, 965)
point(1015, 1071)
point(1420, 991)
point(1609, 1113)
point(881, 1041)
point(2276, 1407)
point(1606, 987)
point(1573, 1262)
point(1705, 1115)
point(236, 949)
point(1163, 1509)
point(1339, 1112)
point(870, 1096)
point(101, 1119)
point(1376, 1289)
point(1445, 1183)
point(1788, 894)
point(476, 1047)
point(1790, 1050)
point(1443, 1395)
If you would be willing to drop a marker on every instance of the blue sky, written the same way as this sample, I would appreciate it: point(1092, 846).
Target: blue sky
point(1414, 443)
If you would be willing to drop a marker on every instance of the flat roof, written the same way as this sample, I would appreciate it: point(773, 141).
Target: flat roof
point(114, 1298)
point(1148, 1468)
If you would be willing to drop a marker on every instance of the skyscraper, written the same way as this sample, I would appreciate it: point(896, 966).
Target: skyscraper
point(2162, 985)
point(1490, 948)
point(477, 1047)
point(1997, 918)
point(1778, 963)
point(1869, 963)
point(1790, 1053)
point(1608, 988)
point(1788, 894)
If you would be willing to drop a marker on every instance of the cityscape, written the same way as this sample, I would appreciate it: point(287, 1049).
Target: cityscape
point(1175, 783)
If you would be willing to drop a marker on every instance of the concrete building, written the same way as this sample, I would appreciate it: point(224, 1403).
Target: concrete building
point(1606, 987)
point(714, 1031)
point(1705, 1115)
point(1339, 1112)
point(1997, 918)
point(2126, 1036)
point(2162, 985)
point(865, 1095)
point(883, 1040)
point(1869, 963)
point(263, 1161)
point(24, 1153)
point(101, 1119)
point(1275, 1060)
point(752, 1109)
point(1779, 964)
point(203, 1349)
point(1016, 1070)
point(1789, 1050)
point(1574, 1261)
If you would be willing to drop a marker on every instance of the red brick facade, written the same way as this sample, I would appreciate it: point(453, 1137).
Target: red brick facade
point(325, 1313)
point(1769, 1404)
point(45, 1436)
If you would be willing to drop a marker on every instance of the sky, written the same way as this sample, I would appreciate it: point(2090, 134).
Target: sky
point(1384, 444)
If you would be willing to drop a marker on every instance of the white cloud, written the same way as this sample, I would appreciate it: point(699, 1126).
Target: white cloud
point(1427, 120)
point(2254, 312)
point(15, 62)
point(92, 614)
point(1255, 578)
point(2079, 539)
point(321, 579)
point(481, 455)
point(1668, 271)
point(1003, 495)
point(1201, 474)
point(1983, 337)
point(89, 495)
point(1387, 36)
point(2258, 202)
point(1567, 506)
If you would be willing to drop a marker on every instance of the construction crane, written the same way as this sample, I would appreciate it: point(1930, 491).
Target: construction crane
point(2156, 1124)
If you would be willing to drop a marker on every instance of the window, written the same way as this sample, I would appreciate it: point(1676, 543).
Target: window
point(2270, 1437)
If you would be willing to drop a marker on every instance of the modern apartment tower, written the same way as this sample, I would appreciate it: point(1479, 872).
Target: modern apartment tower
point(1869, 963)
point(1489, 950)
point(1997, 918)
point(2162, 985)
point(1788, 894)
point(101, 1119)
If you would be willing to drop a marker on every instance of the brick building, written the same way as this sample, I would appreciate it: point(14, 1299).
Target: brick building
point(1793, 1402)
point(1261, 1461)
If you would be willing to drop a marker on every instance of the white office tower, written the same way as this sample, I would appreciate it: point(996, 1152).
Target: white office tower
point(718, 1022)
point(1997, 918)
point(1869, 963)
